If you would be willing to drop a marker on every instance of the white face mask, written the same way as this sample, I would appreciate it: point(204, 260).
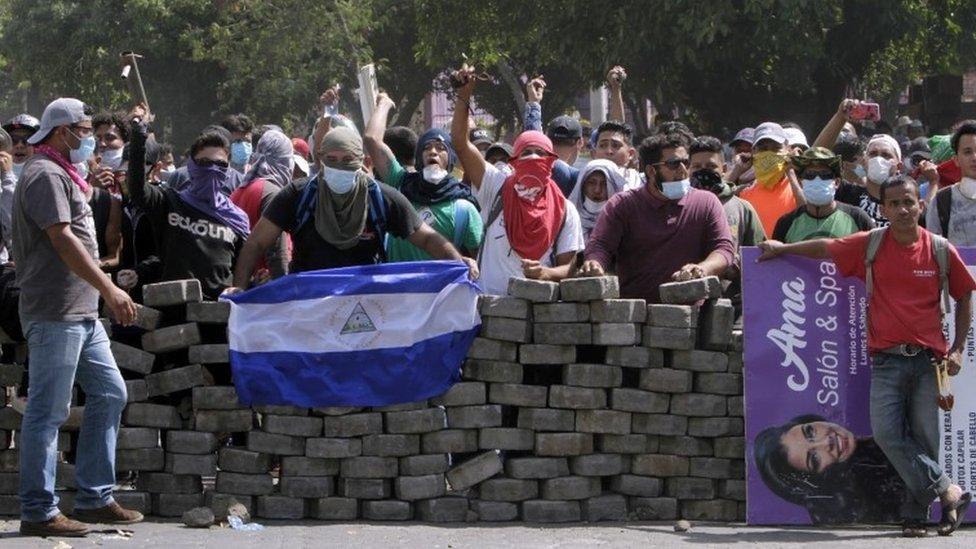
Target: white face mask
point(504, 167)
point(879, 168)
point(82, 168)
point(112, 158)
point(967, 186)
point(339, 181)
point(592, 205)
point(434, 173)
point(18, 168)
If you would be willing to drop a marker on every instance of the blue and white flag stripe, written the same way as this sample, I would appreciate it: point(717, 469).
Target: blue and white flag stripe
point(358, 336)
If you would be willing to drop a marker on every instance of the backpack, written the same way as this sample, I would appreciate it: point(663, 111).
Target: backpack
point(305, 209)
point(940, 250)
point(943, 205)
point(495, 211)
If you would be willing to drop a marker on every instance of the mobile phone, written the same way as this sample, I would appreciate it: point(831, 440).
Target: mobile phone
point(866, 111)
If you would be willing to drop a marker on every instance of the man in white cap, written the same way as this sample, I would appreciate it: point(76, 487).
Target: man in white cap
point(776, 191)
point(60, 282)
point(796, 140)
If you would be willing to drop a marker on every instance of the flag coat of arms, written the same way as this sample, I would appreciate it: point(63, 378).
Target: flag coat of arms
point(373, 335)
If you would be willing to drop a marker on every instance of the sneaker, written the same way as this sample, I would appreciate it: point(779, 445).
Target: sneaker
point(58, 526)
point(112, 513)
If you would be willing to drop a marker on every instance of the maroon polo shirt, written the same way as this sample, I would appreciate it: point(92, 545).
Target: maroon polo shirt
point(649, 238)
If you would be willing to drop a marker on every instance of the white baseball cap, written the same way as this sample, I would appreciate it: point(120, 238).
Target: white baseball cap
point(795, 136)
point(63, 111)
point(769, 130)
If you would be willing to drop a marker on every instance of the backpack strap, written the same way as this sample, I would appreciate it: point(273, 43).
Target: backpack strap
point(875, 237)
point(940, 249)
point(943, 204)
point(493, 213)
point(460, 223)
point(377, 216)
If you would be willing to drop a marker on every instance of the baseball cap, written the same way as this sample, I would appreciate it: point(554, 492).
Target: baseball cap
point(795, 136)
point(503, 147)
point(919, 147)
point(301, 163)
point(63, 111)
point(479, 136)
point(769, 130)
point(301, 147)
point(564, 127)
point(903, 120)
point(744, 135)
point(22, 122)
point(916, 124)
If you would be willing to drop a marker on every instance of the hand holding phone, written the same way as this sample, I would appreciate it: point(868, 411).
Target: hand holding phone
point(866, 111)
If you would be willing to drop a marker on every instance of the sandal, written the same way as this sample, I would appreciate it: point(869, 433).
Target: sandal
point(914, 530)
point(949, 525)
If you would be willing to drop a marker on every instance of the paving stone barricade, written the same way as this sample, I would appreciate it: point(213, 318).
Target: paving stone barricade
point(573, 405)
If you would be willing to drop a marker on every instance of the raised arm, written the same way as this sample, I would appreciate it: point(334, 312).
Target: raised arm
point(534, 91)
point(830, 132)
point(373, 138)
point(469, 155)
point(149, 197)
point(615, 81)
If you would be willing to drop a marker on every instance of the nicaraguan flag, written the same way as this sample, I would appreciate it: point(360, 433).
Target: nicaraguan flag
point(358, 336)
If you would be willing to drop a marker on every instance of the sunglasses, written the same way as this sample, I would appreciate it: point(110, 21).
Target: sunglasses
point(811, 174)
point(674, 163)
point(18, 139)
point(206, 163)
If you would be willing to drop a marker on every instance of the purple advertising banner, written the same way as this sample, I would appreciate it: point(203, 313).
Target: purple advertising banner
point(807, 385)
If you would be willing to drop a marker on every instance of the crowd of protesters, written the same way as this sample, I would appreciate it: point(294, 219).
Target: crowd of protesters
point(93, 206)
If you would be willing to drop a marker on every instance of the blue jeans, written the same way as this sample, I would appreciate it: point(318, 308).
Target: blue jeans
point(60, 353)
point(905, 422)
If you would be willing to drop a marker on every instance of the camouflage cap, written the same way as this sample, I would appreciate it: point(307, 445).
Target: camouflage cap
point(816, 155)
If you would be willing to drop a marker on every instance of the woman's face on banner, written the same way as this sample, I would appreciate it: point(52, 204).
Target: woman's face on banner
point(813, 447)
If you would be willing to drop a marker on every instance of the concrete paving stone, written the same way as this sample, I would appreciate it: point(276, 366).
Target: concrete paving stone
point(683, 488)
point(634, 357)
point(690, 291)
point(136, 501)
point(280, 507)
point(709, 467)
point(492, 370)
point(563, 444)
point(710, 510)
point(449, 441)
point(561, 312)
point(301, 466)
point(464, 393)
point(306, 487)
point(391, 445)
point(365, 488)
point(491, 349)
point(626, 444)
point(333, 411)
point(474, 417)
point(173, 292)
point(416, 422)
point(242, 460)
point(368, 467)
point(387, 510)
point(140, 459)
point(65, 475)
point(10, 419)
point(659, 465)
point(715, 325)
point(592, 375)
point(618, 310)
point(665, 380)
point(506, 438)
point(542, 353)
point(540, 510)
point(335, 508)
point(130, 358)
point(506, 329)
point(419, 487)
point(636, 400)
point(136, 390)
point(589, 288)
point(191, 464)
point(137, 437)
point(657, 337)
point(608, 507)
point(736, 406)
point(735, 362)
point(171, 338)
point(215, 398)
point(508, 489)
point(475, 470)
point(546, 419)
point(515, 394)
point(221, 503)
point(449, 509)
point(697, 360)
point(598, 465)
point(178, 379)
point(659, 424)
point(353, 425)
point(9, 505)
point(718, 384)
point(494, 511)
point(12, 374)
point(224, 421)
point(672, 316)
point(730, 447)
point(10, 461)
point(174, 505)
point(291, 425)
point(735, 344)
point(685, 446)
point(244, 484)
point(563, 333)
point(699, 405)
point(403, 407)
point(711, 427)
point(572, 487)
point(504, 306)
point(212, 353)
point(734, 489)
point(603, 421)
point(424, 464)
point(616, 333)
point(536, 467)
point(282, 410)
point(636, 485)
point(576, 398)
point(536, 291)
point(208, 312)
point(654, 508)
point(9, 483)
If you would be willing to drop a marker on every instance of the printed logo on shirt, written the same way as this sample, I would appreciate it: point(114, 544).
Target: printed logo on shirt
point(923, 273)
point(201, 227)
point(426, 215)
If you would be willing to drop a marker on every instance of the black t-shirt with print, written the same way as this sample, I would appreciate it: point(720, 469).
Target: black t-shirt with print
point(859, 197)
point(311, 252)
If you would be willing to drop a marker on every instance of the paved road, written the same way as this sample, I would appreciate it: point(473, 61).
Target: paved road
point(296, 535)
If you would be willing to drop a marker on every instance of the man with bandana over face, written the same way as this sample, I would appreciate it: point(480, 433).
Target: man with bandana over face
point(665, 231)
point(533, 231)
point(439, 198)
point(774, 192)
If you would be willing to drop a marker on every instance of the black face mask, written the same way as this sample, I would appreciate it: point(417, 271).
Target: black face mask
point(707, 180)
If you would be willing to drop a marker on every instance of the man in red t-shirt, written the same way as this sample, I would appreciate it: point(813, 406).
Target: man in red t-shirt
point(904, 337)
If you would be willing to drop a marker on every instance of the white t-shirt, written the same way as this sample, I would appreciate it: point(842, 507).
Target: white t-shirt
point(962, 219)
point(499, 261)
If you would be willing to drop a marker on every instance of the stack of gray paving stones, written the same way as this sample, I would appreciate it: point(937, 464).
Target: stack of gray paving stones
point(573, 405)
